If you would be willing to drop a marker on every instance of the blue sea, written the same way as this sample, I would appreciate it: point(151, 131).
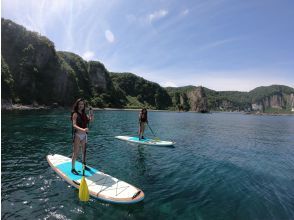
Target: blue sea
point(227, 166)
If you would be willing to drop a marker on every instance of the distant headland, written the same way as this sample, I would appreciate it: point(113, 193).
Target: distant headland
point(36, 76)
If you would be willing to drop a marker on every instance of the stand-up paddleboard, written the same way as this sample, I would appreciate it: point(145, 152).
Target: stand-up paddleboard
point(101, 186)
point(146, 141)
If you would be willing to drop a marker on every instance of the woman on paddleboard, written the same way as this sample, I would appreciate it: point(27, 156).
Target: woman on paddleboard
point(80, 121)
point(142, 122)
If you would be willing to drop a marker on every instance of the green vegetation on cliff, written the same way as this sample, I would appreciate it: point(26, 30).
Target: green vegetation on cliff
point(189, 98)
point(33, 72)
point(79, 73)
point(179, 97)
point(6, 80)
point(31, 60)
point(146, 93)
point(227, 100)
point(261, 92)
point(234, 100)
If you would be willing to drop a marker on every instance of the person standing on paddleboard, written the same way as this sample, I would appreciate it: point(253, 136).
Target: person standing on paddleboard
point(143, 119)
point(80, 121)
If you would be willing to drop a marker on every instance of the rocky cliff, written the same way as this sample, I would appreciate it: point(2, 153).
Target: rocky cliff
point(189, 98)
point(99, 76)
point(198, 100)
point(264, 98)
point(34, 72)
point(140, 91)
point(29, 57)
point(274, 102)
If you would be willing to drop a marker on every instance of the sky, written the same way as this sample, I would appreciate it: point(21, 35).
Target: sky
point(219, 44)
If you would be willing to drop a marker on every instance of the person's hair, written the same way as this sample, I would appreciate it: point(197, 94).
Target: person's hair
point(75, 107)
point(143, 111)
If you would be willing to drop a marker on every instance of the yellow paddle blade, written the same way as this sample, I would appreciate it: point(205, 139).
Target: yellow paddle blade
point(83, 191)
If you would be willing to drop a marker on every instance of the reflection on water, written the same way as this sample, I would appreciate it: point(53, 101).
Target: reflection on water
point(141, 166)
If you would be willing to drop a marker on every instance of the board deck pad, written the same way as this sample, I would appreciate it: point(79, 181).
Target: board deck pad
point(141, 140)
point(146, 141)
point(66, 169)
point(101, 186)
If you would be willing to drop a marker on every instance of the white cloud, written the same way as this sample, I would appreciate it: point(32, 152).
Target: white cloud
point(157, 15)
point(185, 12)
point(88, 55)
point(109, 36)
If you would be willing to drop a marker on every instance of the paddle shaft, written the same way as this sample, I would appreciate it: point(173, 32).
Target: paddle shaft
point(85, 148)
point(151, 129)
point(84, 161)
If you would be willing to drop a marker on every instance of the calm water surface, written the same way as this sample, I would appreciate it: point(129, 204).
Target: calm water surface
point(223, 166)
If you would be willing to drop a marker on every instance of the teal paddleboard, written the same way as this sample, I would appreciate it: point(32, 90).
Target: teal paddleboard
point(101, 185)
point(146, 141)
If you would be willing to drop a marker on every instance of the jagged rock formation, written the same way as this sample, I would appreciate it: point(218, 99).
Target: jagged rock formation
point(198, 100)
point(30, 57)
point(189, 98)
point(33, 72)
point(99, 76)
point(278, 101)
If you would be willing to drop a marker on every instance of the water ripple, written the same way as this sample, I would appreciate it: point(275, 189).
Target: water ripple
point(224, 166)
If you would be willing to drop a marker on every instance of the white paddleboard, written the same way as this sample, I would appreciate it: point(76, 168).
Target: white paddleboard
point(101, 186)
point(146, 141)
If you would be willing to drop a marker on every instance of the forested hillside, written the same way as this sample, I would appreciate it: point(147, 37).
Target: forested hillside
point(33, 72)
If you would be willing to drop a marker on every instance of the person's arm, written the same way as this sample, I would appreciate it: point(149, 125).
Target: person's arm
point(140, 117)
point(91, 115)
point(74, 124)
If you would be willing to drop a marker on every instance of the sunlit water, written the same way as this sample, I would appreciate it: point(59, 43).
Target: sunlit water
point(223, 166)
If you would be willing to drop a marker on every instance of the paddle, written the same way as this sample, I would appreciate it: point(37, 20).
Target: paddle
point(156, 138)
point(83, 190)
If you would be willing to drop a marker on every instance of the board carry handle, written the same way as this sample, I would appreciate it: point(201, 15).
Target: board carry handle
point(136, 194)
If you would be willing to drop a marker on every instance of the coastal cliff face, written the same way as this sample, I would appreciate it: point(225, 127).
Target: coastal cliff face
point(188, 98)
point(278, 102)
point(33, 72)
point(226, 105)
point(274, 98)
point(99, 76)
point(65, 86)
point(197, 100)
point(29, 57)
point(290, 100)
point(141, 92)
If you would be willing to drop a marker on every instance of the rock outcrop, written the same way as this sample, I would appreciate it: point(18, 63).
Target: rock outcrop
point(99, 76)
point(277, 101)
point(30, 57)
point(197, 100)
point(33, 72)
point(188, 98)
